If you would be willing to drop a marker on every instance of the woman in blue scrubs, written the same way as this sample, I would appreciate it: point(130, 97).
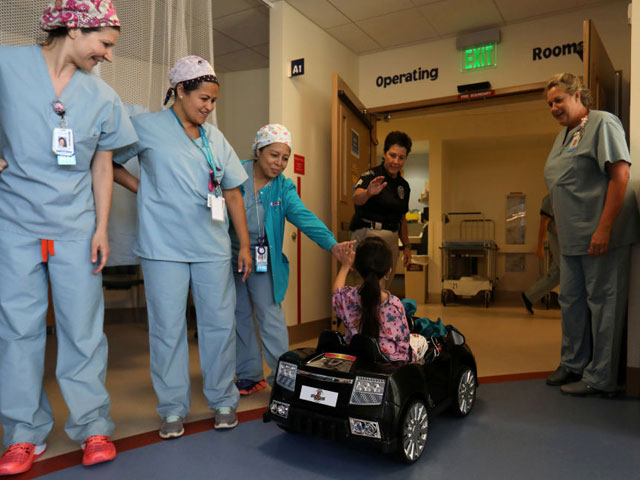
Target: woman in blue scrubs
point(269, 199)
point(188, 185)
point(54, 209)
point(587, 174)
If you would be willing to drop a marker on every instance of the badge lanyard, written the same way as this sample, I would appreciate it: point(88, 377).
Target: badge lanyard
point(578, 135)
point(215, 200)
point(62, 139)
point(214, 185)
point(262, 255)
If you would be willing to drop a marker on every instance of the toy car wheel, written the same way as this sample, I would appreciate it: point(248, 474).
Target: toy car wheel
point(413, 431)
point(465, 393)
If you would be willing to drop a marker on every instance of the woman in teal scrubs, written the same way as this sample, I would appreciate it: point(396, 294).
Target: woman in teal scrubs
point(587, 174)
point(270, 198)
point(54, 209)
point(187, 190)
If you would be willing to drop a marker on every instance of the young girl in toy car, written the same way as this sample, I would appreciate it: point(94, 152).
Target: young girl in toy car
point(368, 308)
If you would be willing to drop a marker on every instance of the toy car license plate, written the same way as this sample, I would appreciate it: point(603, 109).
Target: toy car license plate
point(319, 395)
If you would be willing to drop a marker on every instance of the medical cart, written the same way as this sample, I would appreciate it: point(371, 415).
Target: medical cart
point(468, 256)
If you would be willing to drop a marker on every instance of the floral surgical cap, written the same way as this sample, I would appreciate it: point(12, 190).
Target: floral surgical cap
point(190, 70)
point(79, 14)
point(272, 133)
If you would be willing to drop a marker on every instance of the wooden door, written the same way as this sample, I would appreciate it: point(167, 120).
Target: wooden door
point(599, 75)
point(353, 151)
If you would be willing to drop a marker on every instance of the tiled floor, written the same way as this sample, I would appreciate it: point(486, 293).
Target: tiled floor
point(504, 337)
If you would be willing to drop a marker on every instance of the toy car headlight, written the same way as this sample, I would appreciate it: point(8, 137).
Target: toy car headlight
point(367, 391)
point(286, 377)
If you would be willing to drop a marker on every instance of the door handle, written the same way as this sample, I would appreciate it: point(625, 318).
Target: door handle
point(294, 236)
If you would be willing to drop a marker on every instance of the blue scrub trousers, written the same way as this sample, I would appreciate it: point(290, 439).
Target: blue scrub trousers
point(256, 294)
point(593, 298)
point(551, 279)
point(167, 287)
point(25, 411)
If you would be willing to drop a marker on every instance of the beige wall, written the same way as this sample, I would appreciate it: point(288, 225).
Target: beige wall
point(303, 104)
point(243, 107)
point(515, 64)
point(476, 158)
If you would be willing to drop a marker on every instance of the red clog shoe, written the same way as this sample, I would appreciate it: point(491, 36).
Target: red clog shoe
point(19, 457)
point(98, 449)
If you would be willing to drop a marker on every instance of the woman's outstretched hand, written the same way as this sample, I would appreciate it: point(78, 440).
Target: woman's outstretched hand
point(344, 252)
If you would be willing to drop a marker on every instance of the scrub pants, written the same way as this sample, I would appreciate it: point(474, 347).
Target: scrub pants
point(593, 297)
point(25, 411)
point(257, 292)
point(391, 239)
point(551, 279)
point(167, 287)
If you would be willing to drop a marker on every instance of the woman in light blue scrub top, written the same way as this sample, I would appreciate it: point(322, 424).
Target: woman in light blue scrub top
point(54, 209)
point(187, 190)
point(270, 198)
point(587, 174)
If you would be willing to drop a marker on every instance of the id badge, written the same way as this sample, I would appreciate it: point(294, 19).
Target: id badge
point(262, 259)
point(62, 142)
point(66, 159)
point(216, 204)
point(574, 143)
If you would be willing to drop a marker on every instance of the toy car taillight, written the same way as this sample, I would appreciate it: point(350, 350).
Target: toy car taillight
point(367, 391)
point(286, 377)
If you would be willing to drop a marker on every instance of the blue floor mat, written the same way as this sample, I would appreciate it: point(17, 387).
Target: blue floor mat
point(517, 430)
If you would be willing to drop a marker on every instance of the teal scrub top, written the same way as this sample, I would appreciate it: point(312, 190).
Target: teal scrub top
point(577, 181)
point(254, 211)
point(38, 197)
point(174, 222)
point(282, 202)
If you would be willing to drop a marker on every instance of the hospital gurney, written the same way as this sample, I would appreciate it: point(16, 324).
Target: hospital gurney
point(468, 256)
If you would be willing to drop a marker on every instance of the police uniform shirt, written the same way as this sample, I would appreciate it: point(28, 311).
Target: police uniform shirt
point(389, 206)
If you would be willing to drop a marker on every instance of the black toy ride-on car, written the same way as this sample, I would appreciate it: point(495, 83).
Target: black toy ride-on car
point(353, 392)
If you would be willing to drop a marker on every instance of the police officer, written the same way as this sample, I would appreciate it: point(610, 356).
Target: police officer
point(381, 199)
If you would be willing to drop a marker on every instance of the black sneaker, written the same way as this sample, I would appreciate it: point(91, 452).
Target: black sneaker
point(562, 376)
point(581, 389)
point(527, 303)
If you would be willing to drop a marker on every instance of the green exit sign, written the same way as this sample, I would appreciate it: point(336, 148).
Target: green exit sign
point(480, 56)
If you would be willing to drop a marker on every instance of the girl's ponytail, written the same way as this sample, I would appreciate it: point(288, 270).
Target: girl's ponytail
point(370, 300)
point(373, 261)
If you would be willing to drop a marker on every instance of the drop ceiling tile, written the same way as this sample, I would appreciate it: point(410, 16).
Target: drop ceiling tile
point(249, 27)
point(242, 60)
point(223, 44)
point(353, 38)
point(522, 9)
point(419, 3)
point(320, 12)
point(222, 8)
point(455, 16)
point(361, 9)
point(385, 30)
point(262, 49)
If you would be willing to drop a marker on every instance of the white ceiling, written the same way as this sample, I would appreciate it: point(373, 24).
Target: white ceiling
point(241, 27)
point(240, 35)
